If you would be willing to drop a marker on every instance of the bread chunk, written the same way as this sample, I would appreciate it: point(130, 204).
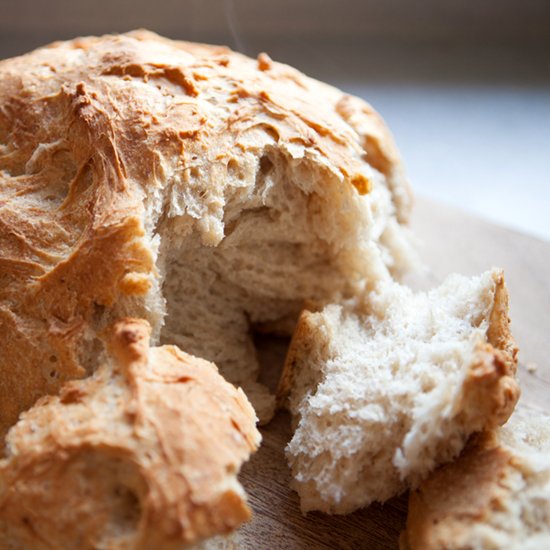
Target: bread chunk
point(385, 387)
point(495, 495)
point(184, 184)
point(143, 454)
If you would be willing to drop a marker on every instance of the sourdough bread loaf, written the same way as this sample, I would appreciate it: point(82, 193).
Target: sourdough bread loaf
point(495, 495)
point(143, 454)
point(385, 387)
point(187, 185)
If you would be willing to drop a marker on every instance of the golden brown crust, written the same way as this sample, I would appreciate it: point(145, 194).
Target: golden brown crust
point(301, 340)
point(499, 334)
point(143, 454)
point(491, 390)
point(90, 130)
point(380, 150)
point(495, 495)
point(439, 508)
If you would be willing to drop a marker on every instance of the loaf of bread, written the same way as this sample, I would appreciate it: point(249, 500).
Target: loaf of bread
point(142, 454)
point(187, 185)
point(385, 387)
point(496, 495)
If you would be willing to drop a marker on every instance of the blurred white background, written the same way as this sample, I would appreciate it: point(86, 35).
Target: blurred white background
point(464, 86)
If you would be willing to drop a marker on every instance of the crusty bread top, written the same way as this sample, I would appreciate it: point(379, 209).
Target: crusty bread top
point(102, 140)
point(143, 454)
point(495, 495)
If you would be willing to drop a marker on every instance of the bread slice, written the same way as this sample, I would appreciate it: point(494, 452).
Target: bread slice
point(143, 454)
point(386, 387)
point(187, 185)
point(495, 495)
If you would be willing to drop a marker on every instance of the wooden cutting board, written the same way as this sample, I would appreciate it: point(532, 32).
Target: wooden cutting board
point(450, 241)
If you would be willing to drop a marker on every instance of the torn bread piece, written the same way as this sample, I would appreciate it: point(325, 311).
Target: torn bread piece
point(143, 454)
point(185, 184)
point(388, 386)
point(495, 495)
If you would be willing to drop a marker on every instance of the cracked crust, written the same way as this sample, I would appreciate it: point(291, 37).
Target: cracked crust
point(143, 454)
point(95, 130)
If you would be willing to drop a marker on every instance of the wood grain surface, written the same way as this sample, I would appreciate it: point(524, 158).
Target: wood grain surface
point(450, 240)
